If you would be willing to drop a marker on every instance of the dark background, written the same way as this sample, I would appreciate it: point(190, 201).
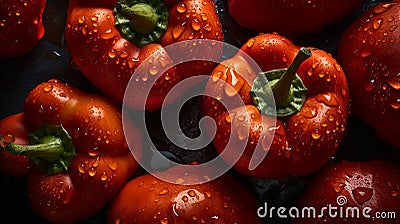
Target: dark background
point(50, 59)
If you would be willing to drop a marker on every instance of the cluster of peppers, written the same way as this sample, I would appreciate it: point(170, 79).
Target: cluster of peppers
point(71, 144)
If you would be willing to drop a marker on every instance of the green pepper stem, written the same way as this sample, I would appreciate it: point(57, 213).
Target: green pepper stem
point(281, 89)
point(49, 150)
point(143, 17)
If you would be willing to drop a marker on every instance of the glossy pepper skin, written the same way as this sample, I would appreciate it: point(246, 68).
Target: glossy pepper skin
point(369, 52)
point(147, 199)
point(108, 59)
point(301, 142)
point(290, 18)
point(101, 164)
point(369, 187)
point(21, 26)
point(13, 129)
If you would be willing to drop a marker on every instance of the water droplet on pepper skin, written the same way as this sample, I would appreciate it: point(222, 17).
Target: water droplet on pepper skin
point(382, 8)
point(250, 42)
point(178, 30)
point(395, 104)
point(362, 194)
point(195, 24)
point(181, 8)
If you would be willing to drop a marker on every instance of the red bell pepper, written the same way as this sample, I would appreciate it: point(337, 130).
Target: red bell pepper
point(21, 26)
point(312, 108)
point(369, 52)
point(147, 199)
point(356, 191)
point(78, 147)
point(108, 40)
point(290, 18)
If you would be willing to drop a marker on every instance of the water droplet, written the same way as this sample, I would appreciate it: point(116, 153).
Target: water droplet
point(394, 82)
point(68, 195)
point(84, 30)
point(338, 68)
point(81, 168)
point(377, 24)
point(316, 134)
point(250, 42)
point(370, 86)
point(94, 18)
point(395, 104)
point(195, 24)
point(381, 8)
point(393, 193)
point(366, 53)
point(314, 65)
point(144, 78)
point(48, 88)
point(103, 176)
point(153, 70)
point(228, 118)
point(164, 220)
point(284, 58)
point(112, 165)
point(207, 27)
point(203, 16)
point(81, 20)
point(229, 90)
point(107, 35)
point(181, 8)
point(194, 218)
point(338, 186)
point(178, 30)
point(216, 76)
point(95, 48)
point(163, 192)
point(123, 54)
point(191, 193)
point(242, 133)
point(328, 100)
point(208, 194)
point(93, 153)
point(362, 194)
point(310, 113)
point(179, 181)
point(185, 198)
point(92, 172)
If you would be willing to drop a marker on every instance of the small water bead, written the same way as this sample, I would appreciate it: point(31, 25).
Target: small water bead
point(94, 18)
point(103, 176)
point(207, 27)
point(48, 88)
point(250, 42)
point(393, 193)
point(92, 172)
point(377, 24)
point(316, 134)
point(195, 24)
point(153, 70)
point(203, 16)
point(191, 193)
point(163, 192)
point(81, 19)
point(181, 8)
